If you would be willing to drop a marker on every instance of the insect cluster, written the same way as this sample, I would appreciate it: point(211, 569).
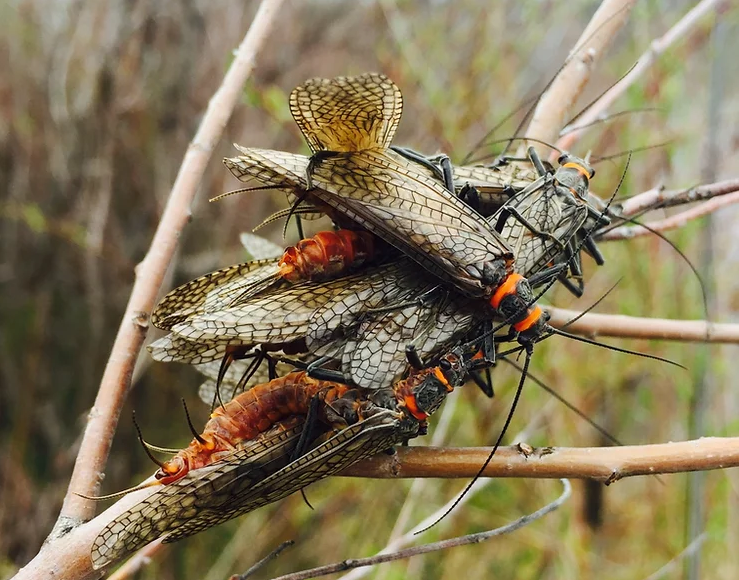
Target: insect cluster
point(344, 345)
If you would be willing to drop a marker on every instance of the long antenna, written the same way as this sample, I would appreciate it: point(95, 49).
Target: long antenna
point(194, 431)
point(529, 351)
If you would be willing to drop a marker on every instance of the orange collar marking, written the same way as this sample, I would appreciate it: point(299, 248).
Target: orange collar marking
point(533, 315)
point(410, 403)
point(580, 169)
point(507, 287)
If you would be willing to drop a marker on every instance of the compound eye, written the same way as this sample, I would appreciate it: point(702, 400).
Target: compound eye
point(592, 173)
point(563, 158)
point(445, 364)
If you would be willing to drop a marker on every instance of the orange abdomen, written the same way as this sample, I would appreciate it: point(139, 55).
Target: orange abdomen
point(326, 254)
point(248, 415)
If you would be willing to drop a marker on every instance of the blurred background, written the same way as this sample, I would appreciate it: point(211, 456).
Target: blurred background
point(98, 102)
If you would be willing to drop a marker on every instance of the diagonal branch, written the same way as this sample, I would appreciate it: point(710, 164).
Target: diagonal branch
point(150, 273)
point(658, 46)
point(555, 105)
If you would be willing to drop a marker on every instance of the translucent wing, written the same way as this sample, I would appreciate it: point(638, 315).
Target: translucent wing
point(174, 348)
point(230, 384)
point(270, 168)
point(386, 195)
point(347, 113)
point(376, 353)
point(211, 292)
point(297, 311)
point(233, 494)
point(173, 505)
point(275, 170)
point(494, 185)
point(260, 248)
point(538, 225)
point(252, 477)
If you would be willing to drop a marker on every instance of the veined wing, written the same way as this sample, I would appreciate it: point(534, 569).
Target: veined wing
point(494, 185)
point(540, 228)
point(233, 492)
point(376, 353)
point(274, 170)
point(268, 167)
point(260, 248)
point(174, 348)
point(347, 113)
point(173, 505)
point(211, 292)
point(298, 310)
point(386, 195)
point(230, 386)
point(254, 476)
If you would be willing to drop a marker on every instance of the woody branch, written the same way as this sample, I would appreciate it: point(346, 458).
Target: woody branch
point(150, 273)
point(68, 553)
point(605, 464)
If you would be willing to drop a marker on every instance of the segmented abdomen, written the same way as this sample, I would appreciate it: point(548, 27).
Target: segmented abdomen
point(248, 415)
point(326, 254)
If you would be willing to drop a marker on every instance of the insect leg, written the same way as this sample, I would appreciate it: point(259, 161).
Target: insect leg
point(421, 159)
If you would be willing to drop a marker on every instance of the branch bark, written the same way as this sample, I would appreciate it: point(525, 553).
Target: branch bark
point(659, 198)
point(150, 273)
point(673, 222)
point(658, 46)
point(556, 103)
point(621, 326)
point(606, 464)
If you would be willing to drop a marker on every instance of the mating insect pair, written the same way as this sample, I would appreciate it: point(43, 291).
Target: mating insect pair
point(364, 314)
point(271, 441)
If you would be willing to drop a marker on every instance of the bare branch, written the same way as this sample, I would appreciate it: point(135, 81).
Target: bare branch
point(266, 560)
point(659, 198)
point(673, 222)
point(658, 46)
point(622, 326)
point(138, 561)
point(150, 273)
point(69, 556)
point(555, 105)
point(434, 546)
point(606, 464)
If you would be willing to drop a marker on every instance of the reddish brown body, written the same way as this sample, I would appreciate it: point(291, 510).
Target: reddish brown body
point(247, 416)
point(326, 254)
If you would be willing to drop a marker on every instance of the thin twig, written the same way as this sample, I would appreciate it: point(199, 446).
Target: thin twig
point(606, 464)
point(673, 222)
point(672, 565)
point(622, 326)
point(268, 558)
point(659, 198)
point(434, 546)
point(138, 561)
point(150, 272)
point(658, 46)
point(555, 105)
point(452, 507)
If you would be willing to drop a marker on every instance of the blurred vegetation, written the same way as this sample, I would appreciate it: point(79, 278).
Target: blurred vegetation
point(98, 102)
